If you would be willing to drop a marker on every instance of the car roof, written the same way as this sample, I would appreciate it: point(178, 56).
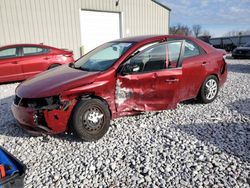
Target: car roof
point(151, 38)
point(27, 44)
point(139, 38)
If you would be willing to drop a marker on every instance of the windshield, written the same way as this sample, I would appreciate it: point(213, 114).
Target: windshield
point(103, 57)
point(247, 44)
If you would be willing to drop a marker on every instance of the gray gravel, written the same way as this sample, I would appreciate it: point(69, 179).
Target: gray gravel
point(193, 146)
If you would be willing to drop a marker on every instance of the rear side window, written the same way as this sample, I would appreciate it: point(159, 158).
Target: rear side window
point(174, 49)
point(247, 45)
point(235, 40)
point(227, 41)
point(244, 39)
point(215, 41)
point(33, 50)
point(8, 53)
point(191, 49)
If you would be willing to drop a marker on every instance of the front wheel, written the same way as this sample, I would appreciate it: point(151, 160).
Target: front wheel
point(90, 119)
point(209, 90)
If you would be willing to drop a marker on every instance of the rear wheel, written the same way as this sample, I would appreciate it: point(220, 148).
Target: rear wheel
point(209, 89)
point(90, 120)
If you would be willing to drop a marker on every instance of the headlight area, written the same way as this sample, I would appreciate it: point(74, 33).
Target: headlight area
point(51, 114)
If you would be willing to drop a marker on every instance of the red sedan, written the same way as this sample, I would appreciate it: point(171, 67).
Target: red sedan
point(122, 77)
point(21, 61)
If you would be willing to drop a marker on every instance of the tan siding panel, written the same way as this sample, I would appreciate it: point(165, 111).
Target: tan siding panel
point(57, 22)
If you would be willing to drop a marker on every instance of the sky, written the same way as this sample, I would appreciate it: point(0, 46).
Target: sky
point(216, 16)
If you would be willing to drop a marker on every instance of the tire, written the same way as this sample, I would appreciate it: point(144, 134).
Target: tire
point(207, 95)
point(86, 121)
point(53, 66)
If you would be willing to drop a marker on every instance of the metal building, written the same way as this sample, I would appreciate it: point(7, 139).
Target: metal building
point(79, 24)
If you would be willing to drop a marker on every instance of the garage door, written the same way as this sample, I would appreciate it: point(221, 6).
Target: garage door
point(98, 27)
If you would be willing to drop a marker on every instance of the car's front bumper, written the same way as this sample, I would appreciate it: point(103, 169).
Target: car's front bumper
point(43, 121)
point(26, 119)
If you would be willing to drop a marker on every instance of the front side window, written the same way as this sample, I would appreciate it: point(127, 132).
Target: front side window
point(191, 49)
point(157, 57)
point(8, 53)
point(103, 57)
point(33, 50)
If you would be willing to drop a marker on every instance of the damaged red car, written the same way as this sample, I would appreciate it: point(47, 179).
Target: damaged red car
point(122, 77)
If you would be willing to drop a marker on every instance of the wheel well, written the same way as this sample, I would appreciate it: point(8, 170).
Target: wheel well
point(210, 75)
point(215, 76)
point(204, 81)
point(91, 96)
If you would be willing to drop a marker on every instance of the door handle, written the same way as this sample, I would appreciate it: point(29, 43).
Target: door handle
point(171, 80)
point(46, 58)
point(203, 63)
point(14, 62)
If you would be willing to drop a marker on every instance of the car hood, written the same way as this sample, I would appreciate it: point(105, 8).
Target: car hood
point(54, 81)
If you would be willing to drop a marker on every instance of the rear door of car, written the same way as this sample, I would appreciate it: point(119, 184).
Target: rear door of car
point(34, 60)
point(10, 68)
point(194, 66)
point(146, 82)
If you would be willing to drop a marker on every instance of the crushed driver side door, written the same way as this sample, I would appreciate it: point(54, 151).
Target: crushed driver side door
point(147, 82)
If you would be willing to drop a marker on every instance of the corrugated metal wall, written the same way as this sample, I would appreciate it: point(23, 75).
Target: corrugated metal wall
point(57, 22)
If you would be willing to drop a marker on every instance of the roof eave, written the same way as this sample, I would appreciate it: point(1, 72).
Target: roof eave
point(162, 5)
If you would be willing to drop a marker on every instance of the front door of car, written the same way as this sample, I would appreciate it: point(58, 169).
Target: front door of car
point(10, 68)
point(33, 60)
point(146, 82)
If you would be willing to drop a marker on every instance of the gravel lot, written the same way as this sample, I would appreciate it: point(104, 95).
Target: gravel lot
point(193, 146)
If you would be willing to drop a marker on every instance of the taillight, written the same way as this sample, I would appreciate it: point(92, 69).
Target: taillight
point(223, 67)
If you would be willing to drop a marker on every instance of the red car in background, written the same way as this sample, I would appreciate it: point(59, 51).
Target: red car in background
point(21, 61)
point(122, 77)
